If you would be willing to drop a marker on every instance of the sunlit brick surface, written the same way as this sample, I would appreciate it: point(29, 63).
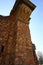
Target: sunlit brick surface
point(16, 47)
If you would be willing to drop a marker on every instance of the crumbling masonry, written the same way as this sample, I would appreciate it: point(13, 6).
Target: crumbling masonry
point(16, 47)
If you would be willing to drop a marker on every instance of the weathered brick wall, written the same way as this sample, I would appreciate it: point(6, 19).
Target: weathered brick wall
point(15, 40)
point(7, 39)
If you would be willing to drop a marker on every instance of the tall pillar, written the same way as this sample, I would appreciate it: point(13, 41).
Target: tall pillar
point(24, 53)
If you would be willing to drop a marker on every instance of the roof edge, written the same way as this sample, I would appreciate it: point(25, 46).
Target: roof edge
point(15, 6)
point(27, 2)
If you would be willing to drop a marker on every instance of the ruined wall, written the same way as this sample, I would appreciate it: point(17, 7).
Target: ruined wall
point(16, 47)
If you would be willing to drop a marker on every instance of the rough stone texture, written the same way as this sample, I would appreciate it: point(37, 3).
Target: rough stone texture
point(16, 47)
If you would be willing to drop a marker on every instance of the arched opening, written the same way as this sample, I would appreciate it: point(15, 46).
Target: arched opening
point(1, 48)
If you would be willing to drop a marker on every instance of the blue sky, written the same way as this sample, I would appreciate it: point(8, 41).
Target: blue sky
point(36, 25)
point(36, 22)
